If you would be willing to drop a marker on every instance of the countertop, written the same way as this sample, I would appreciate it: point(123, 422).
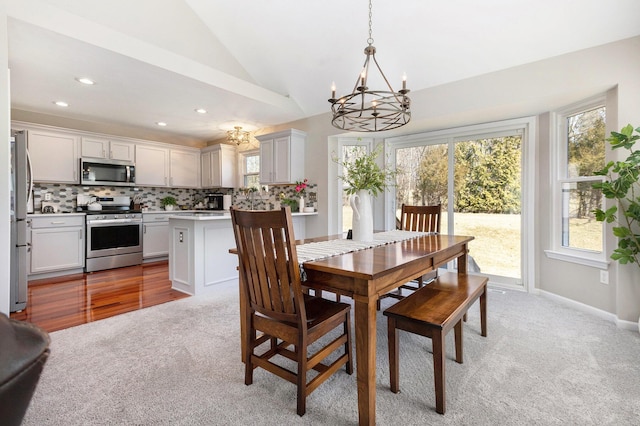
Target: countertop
point(220, 215)
point(38, 214)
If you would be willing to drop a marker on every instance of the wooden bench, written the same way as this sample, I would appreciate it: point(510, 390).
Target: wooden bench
point(432, 311)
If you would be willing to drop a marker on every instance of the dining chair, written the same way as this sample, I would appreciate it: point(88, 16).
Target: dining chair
point(278, 307)
point(421, 219)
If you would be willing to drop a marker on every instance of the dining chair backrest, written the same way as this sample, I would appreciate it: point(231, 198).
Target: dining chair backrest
point(420, 218)
point(268, 263)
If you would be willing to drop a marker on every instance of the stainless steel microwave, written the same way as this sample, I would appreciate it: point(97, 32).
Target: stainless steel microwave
point(100, 171)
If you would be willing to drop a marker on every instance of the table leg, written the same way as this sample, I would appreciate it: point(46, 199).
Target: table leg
point(365, 328)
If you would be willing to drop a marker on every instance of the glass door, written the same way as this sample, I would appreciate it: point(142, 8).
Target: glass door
point(478, 182)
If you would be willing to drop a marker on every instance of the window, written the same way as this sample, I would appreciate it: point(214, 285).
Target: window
point(580, 152)
point(349, 149)
point(251, 169)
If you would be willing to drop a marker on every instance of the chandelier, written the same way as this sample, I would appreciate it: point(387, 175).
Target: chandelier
point(238, 136)
point(365, 110)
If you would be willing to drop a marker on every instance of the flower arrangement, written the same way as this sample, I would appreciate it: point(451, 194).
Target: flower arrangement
point(363, 172)
point(301, 186)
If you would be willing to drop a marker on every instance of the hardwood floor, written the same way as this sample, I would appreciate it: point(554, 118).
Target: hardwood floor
point(62, 302)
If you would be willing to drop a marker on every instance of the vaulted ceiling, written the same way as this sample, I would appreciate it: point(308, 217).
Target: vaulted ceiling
point(263, 63)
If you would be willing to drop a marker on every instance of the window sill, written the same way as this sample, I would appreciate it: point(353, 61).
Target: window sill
point(581, 260)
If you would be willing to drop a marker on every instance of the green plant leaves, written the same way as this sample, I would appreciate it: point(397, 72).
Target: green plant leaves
point(621, 184)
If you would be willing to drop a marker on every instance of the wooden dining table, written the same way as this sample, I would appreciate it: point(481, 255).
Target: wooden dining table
point(367, 274)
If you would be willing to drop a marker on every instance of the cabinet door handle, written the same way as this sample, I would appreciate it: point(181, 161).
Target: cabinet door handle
point(144, 229)
point(58, 222)
point(103, 153)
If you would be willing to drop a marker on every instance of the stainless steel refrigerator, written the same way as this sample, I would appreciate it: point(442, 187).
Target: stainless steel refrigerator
point(21, 192)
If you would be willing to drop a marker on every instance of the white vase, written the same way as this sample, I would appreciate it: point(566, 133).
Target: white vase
point(301, 204)
point(362, 225)
point(168, 207)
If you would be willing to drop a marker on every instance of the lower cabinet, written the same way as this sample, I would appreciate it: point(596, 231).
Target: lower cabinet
point(155, 235)
point(57, 244)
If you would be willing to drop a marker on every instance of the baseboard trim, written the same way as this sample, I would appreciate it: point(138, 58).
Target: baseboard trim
point(608, 316)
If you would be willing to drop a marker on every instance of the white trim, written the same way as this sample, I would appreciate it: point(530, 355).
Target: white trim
point(559, 160)
point(580, 260)
point(526, 127)
point(607, 316)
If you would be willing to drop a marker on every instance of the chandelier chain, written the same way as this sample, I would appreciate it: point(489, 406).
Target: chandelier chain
point(370, 39)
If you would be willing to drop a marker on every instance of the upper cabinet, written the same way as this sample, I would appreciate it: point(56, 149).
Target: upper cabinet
point(152, 165)
point(184, 168)
point(109, 149)
point(219, 166)
point(159, 166)
point(282, 156)
point(54, 156)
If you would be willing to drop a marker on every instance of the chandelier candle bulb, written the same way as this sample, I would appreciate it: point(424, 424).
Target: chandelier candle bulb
point(404, 81)
point(333, 90)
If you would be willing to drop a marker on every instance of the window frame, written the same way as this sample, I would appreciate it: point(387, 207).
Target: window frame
point(368, 143)
point(243, 165)
point(560, 177)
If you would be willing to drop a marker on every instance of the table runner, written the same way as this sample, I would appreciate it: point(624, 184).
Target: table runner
point(322, 249)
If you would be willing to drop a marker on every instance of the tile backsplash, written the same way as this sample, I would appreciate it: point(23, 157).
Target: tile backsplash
point(63, 196)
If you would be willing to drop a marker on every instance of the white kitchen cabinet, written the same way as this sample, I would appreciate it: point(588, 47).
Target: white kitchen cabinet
point(152, 165)
point(155, 235)
point(57, 243)
point(184, 169)
point(219, 166)
point(159, 166)
point(54, 156)
point(282, 156)
point(109, 149)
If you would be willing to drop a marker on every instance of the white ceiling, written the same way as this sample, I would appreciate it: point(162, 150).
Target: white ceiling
point(263, 63)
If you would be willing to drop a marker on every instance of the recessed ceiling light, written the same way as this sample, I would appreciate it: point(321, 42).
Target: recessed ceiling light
point(161, 123)
point(85, 80)
point(61, 103)
point(201, 111)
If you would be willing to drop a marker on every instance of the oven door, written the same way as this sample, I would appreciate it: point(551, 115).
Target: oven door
point(113, 237)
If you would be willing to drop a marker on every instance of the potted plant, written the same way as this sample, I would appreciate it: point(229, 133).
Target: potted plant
point(168, 202)
point(623, 185)
point(365, 178)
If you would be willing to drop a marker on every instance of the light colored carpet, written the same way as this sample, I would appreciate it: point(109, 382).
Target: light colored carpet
point(179, 364)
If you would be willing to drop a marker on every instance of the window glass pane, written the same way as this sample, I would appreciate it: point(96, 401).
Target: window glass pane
point(585, 142)
point(422, 178)
point(252, 181)
point(349, 154)
point(252, 164)
point(487, 203)
point(580, 230)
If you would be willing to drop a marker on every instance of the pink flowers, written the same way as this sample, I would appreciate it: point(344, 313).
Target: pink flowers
point(301, 186)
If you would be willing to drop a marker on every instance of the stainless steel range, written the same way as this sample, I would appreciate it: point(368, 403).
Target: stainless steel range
point(114, 233)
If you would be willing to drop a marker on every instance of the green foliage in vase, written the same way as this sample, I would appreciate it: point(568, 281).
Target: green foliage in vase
point(363, 172)
point(622, 185)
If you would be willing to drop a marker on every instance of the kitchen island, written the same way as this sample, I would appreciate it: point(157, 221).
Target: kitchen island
point(199, 244)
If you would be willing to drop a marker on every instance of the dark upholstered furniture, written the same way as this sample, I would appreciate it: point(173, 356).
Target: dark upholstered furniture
point(24, 348)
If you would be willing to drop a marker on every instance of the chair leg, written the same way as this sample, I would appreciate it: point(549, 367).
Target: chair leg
point(420, 282)
point(378, 304)
point(483, 313)
point(347, 346)
point(249, 343)
point(301, 350)
point(438, 369)
point(394, 368)
point(457, 331)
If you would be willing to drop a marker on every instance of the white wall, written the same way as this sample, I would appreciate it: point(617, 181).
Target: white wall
point(4, 159)
point(528, 90)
